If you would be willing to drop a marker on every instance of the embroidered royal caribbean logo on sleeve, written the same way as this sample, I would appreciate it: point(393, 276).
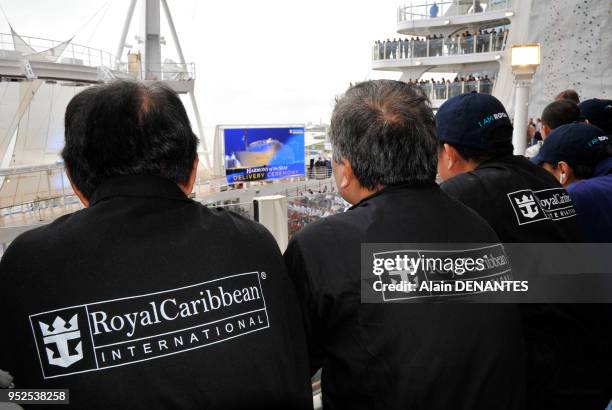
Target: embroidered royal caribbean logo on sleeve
point(547, 204)
point(133, 329)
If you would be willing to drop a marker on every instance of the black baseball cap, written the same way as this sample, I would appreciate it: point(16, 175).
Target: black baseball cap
point(595, 109)
point(573, 143)
point(598, 112)
point(476, 121)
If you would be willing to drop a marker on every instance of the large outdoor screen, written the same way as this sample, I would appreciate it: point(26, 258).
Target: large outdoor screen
point(256, 154)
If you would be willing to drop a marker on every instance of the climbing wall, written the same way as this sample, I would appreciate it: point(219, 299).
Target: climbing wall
point(576, 48)
point(576, 40)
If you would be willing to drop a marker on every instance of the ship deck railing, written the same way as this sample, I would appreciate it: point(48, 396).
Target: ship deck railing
point(443, 92)
point(42, 50)
point(51, 195)
point(422, 9)
point(47, 50)
point(168, 71)
point(479, 43)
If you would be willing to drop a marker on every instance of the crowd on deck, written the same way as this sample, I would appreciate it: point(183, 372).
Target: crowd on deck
point(467, 42)
point(474, 7)
point(310, 206)
point(319, 168)
point(443, 89)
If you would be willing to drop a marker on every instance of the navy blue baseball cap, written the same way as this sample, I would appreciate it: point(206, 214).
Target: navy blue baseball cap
point(476, 121)
point(572, 143)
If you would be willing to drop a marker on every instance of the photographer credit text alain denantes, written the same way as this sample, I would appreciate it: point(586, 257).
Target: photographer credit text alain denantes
point(455, 268)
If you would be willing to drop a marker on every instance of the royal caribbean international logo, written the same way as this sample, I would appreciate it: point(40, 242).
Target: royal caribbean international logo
point(546, 204)
point(118, 332)
point(60, 334)
point(527, 206)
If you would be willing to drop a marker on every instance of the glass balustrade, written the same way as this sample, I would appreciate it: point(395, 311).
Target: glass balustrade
point(41, 49)
point(444, 91)
point(438, 47)
point(429, 9)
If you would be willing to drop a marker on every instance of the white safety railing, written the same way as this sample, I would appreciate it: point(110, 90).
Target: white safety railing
point(321, 172)
point(54, 197)
point(444, 91)
point(429, 9)
point(41, 49)
point(437, 47)
point(245, 209)
point(168, 72)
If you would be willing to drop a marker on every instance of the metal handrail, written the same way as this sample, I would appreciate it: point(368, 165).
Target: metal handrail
point(75, 54)
point(440, 47)
point(425, 9)
point(170, 72)
point(444, 91)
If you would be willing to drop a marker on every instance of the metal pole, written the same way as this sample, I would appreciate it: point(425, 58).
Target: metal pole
point(200, 130)
point(126, 27)
point(179, 51)
point(177, 44)
point(519, 135)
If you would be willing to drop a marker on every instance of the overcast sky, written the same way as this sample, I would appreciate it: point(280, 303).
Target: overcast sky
point(257, 61)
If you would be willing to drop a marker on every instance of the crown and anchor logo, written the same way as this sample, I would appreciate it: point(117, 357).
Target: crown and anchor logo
point(60, 335)
point(527, 206)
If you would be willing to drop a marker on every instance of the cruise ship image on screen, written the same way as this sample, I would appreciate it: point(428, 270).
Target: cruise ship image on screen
point(258, 153)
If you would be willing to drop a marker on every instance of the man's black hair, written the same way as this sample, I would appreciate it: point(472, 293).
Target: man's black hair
point(386, 130)
point(127, 128)
point(478, 156)
point(559, 113)
point(571, 95)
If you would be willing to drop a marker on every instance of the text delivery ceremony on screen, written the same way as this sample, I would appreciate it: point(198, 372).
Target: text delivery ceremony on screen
point(255, 154)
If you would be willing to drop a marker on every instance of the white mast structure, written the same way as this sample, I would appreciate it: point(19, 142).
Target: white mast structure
point(151, 66)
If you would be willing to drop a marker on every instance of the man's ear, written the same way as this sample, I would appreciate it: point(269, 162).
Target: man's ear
point(452, 155)
point(566, 172)
point(187, 187)
point(545, 131)
point(347, 176)
point(84, 200)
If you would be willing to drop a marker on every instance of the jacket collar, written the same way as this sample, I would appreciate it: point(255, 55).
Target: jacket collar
point(138, 186)
point(394, 188)
point(505, 159)
point(603, 168)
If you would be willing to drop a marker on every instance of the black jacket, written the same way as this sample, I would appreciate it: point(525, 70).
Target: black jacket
point(568, 345)
point(520, 200)
point(188, 307)
point(396, 355)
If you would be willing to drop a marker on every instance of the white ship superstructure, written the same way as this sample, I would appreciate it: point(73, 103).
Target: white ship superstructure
point(434, 44)
point(576, 48)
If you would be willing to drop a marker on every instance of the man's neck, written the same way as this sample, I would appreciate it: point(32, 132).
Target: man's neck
point(362, 194)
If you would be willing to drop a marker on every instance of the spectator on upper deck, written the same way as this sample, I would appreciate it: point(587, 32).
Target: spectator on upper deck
point(433, 11)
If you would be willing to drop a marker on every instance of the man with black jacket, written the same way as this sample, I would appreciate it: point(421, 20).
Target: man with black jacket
point(566, 344)
point(146, 299)
point(397, 355)
point(478, 168)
